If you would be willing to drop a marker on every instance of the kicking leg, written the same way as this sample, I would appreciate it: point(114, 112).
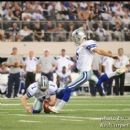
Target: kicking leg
point(106, 77)
point(65, 94)
point(99, 84)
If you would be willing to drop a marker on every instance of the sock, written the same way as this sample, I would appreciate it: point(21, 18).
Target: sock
point(57, 102)
point(60, 93)
point(101, 79)
point(60, 105)
point(67, 94)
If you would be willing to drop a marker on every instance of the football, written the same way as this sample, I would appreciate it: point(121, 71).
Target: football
point(45, 107)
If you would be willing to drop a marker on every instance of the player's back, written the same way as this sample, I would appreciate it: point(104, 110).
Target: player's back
point(33, 90)
point(85, 55)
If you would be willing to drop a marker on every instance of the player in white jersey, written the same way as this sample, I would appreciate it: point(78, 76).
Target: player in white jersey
point(41, 90)
point(85, 52)
point(64, 77)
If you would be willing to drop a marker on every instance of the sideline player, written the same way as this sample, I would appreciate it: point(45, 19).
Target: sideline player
point(85, 52)
point(41, 90)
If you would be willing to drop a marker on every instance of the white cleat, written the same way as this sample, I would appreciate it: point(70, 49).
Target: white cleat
point(122, 70)
point(53, 109)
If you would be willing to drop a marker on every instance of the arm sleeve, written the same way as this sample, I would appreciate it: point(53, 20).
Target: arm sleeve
point(91, 45)
point(31, 90)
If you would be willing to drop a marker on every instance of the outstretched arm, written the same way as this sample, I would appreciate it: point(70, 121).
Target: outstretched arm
point(104, 53)
point(24, 102)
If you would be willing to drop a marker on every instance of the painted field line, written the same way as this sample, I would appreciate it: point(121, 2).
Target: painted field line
point(12, 104)
point(71, 120)
point(15, 109)
point(71, 104)
point(57, 116)
point(11, 98)
point(28, 121)
point(75, 109)
point(94, 104)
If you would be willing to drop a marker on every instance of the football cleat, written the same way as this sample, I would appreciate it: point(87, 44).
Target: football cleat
point(53, 109)
point(121, 70)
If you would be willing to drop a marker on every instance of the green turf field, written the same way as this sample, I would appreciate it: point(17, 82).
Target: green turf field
point(81, 113)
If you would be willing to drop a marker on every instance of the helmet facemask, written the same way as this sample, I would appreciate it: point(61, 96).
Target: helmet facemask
point(43, 83)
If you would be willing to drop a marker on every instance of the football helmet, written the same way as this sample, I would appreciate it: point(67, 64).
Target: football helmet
point(78, 35)
point(43, 83)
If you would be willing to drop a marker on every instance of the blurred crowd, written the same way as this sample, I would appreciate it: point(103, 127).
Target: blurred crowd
point(54, 21)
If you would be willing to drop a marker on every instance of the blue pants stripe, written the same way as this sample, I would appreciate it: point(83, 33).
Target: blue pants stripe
point(78, 82)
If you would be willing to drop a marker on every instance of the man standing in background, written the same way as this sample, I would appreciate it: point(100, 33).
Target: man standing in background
point(47, 64)
point(30, 68)
point(120, 79)
point(63, 61)
point(108, 64)
point(14, 62)
point(96, 67)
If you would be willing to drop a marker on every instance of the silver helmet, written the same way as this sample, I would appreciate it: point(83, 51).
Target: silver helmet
point(43, 83)
point(78, 35)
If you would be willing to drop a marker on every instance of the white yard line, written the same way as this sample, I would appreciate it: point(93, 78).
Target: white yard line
point(11, 104)
point(58, 116)
point(12, 109)
point(94, 104)
point(71, 120)
point(28, 121)
point(75, 109)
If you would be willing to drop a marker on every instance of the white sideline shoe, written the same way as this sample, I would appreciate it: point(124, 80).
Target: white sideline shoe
point(53, 109)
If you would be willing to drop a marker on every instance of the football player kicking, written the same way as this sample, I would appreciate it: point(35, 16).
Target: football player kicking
point(41, 90)
point(85, 52)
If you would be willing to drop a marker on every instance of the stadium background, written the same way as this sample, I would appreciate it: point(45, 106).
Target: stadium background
point(56, 21)
point(106, 22)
